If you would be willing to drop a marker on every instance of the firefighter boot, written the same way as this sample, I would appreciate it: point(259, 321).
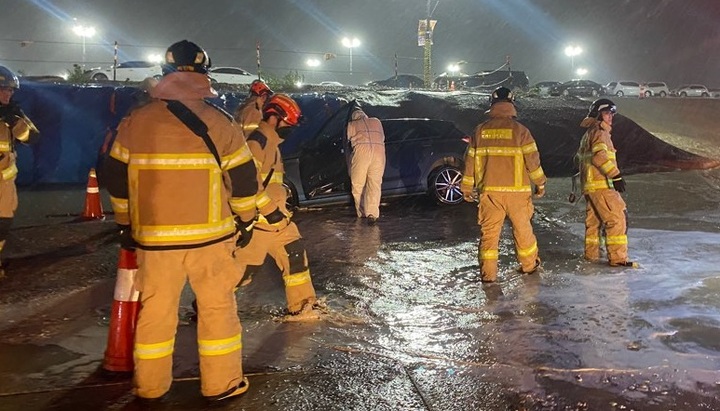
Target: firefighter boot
point(626, 264)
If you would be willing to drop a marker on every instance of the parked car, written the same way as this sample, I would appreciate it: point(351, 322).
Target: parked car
point(543, 88)
point(578, 88)
point(331, 84)
point(493, 79)
point(714, 92)
point(623, 88)
point(128, 71)
point(655, 88)
point(401, 81)
point(692, 90)
point(231, 75)
point(422, 156)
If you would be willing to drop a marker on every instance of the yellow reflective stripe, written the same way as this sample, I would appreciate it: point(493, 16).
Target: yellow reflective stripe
point(277, 178)
point(599, 147)
point(250, 127)
point(293, 280)
point(527, 251)
point(611, 155)
point(239, 157)
point(119, 152)
point(173, 161)
point(468, 181)
point(496, 134)
point(168, 233)
point(119, 204)
point(24, 135)
point(607, 166)
point(616, 240)
point(498, 151)
point(239, 204)
point(154, 351)
point(521, 189)
point(537, 174)
point(592, 240)
point(4, 146)
point(10, 172)
point(262, 199)
point(209, 348)
point(470, 152)
point(489, 254)
point(529, 148)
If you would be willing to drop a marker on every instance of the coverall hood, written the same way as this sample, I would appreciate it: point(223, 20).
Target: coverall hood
point(183, 86)
point(590, 122)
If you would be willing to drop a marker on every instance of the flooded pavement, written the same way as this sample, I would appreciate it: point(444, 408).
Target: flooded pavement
point(408, 326)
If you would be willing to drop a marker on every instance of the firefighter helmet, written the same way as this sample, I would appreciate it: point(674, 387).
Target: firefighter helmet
point(284, 107)
point(601, 105)
point(502, 94)
point(259, 88)
point(186, 56)
point(8, 78)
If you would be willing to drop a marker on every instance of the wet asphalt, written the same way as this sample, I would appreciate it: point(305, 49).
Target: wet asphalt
point(408, 324)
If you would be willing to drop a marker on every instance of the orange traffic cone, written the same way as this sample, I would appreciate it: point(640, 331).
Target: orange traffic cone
point(123, 317)
point(93, 205)
point(452, 86)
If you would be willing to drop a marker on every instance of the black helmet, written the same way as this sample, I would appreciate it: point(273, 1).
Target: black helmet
point(600, 105)
point(8, 78)
point(502, 94)
point(186, 56)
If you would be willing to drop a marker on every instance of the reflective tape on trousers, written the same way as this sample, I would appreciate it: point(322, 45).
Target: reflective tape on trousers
point(125, 286)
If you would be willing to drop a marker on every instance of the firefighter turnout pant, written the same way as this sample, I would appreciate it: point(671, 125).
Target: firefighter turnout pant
point(493, 209)
point(161, 276)
point(286, 248)
point(367, 167)
point(606, 210)
point(8, 205)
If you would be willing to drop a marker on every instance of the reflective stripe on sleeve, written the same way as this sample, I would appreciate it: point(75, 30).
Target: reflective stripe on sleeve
point(599, 147)
point(240, 156)
point(537, 174)
point(241, 204)
point(529, 148)
point(10, 172)
point(119, 152)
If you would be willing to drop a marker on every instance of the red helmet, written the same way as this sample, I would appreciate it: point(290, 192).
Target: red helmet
point(284, 107)
point(259, 88)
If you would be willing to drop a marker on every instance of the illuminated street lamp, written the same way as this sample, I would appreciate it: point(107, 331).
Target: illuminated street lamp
point(572, 51)
point(313, 63)
point(453, 68)
point(84, 32)
point(155, 58)
point(350, 43)
point(581, 71)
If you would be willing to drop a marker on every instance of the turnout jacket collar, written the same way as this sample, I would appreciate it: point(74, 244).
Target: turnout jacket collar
point(589, 122)
point(502, 109)
point(183, 86)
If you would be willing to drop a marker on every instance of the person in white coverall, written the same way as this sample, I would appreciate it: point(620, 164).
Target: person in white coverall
point(366, 163)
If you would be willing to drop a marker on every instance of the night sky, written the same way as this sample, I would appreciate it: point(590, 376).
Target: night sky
point(677, 41)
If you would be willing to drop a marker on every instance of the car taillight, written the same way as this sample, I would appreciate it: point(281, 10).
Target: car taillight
point(466, 139)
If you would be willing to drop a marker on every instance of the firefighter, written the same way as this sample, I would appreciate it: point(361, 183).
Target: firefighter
point(180, 198)
point(366, 140)
point(602, 184)
point(249, 113)
point(501, 162)
point(15, 126)
point(282, 242)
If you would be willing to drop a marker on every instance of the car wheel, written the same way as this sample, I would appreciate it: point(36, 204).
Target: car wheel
point(683, 94)
point(99, 77)
point(565, 93)
point(291, 198)
point(444, 185)
point(648, 94)
point(705, 95)
point(594, 93)
point(619, 94)
point(663, 94)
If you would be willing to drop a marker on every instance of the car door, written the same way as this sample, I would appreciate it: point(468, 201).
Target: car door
point(322, 162)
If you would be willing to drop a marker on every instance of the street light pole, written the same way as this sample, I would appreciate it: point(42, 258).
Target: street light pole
point(84, 32)
point(350, 43)
point(572, 51)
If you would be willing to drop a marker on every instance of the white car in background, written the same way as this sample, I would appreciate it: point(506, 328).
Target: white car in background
point(136, 71)
point(692, 90)
point(623, 88)
point(656, 89)
point(231, 75)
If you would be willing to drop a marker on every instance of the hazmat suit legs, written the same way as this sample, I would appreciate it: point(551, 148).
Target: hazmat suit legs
point(493, 209)
point(367, 167)
point(285, 247)
point(606, 208)
point(160, 279)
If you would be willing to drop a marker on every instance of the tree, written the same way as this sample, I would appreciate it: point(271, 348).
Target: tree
point(77, 75)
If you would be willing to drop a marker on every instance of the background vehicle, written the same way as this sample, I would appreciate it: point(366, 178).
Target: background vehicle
point(401, 81)
point(656, 88)
point(422, 156)
point(331, 84)
point(714, 92)
point(494, 79)
point(623, 88)
point(692, 90)
point(128, 71)
point(578, 88)
point(543, 88)
point(231, 75)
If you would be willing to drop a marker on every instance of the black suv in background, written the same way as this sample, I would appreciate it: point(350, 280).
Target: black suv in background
point(578, 88)
point(423, 156)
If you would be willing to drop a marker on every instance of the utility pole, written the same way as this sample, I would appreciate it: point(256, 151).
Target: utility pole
point(427, 44)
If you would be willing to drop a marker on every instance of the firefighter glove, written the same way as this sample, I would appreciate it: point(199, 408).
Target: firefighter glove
point(126, 239)
point(618, 184)
point(11, 114)
point(244, 230)
point(278, 219)
point(539, 191)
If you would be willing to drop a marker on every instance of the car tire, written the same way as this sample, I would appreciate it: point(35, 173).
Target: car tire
point(619, 94)
point(683, 94)
point(99, 77)
point(648, 94)
point(291, 201)
point(705, 95)
point(444, 185)
point(663, 94)
point(594, 93)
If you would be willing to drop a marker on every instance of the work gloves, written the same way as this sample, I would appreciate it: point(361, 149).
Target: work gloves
point(11, 113)
point(244, 230)
point(539, 191)
point(126, 239)
point(618, 183)
point(277, 219)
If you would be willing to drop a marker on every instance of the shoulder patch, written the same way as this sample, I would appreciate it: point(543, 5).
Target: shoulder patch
point(220, 109)
point(259, 137)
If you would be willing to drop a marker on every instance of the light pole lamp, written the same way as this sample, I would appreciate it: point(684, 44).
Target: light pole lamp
point(84, 32)
point(572, 51)
point(350, 43)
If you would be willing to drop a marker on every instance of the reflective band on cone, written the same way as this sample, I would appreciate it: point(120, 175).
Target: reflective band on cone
point(93, 206)
point(123, 317)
